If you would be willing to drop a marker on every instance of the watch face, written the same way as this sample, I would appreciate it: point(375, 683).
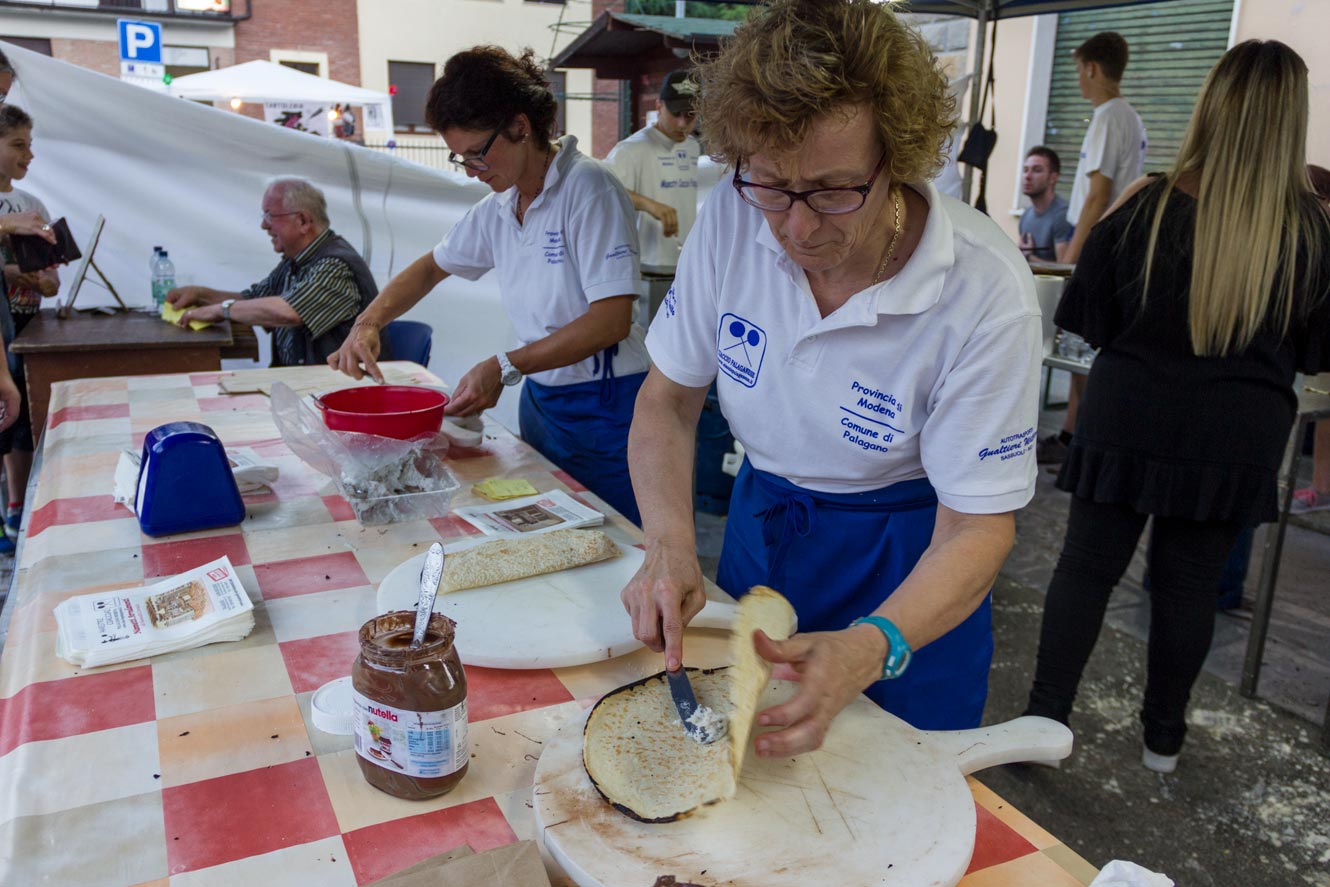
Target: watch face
point(511, 377)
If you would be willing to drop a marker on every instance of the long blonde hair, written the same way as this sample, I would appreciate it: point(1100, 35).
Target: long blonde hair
point(1256, 214)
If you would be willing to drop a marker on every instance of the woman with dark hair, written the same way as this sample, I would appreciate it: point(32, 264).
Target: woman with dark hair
point(1206, 290)
point(561, 233)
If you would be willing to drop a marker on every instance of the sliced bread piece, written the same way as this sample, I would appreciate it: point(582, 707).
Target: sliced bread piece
point(505, 560)
point(635, 750)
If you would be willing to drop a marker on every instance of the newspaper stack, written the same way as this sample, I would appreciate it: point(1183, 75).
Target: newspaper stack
point(555, 510)
point(199, 607)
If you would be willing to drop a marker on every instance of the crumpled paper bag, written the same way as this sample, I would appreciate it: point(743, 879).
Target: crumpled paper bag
point(1120, 873)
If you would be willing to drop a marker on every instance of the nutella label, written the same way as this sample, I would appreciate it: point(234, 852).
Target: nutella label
point(426, 744)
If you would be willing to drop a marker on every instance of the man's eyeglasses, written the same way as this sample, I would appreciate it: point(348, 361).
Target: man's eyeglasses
point(829, 201)
point(268, 217)
point(475, 161)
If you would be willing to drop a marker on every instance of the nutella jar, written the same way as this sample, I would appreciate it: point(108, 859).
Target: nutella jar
point(410, 707)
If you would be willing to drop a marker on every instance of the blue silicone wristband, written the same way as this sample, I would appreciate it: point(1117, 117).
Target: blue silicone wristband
point(898, 650)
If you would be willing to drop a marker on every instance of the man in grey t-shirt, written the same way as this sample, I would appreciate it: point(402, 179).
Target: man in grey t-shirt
point(1045, 231)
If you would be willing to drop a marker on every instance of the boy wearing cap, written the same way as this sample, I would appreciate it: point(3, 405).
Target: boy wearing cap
point(658, 166)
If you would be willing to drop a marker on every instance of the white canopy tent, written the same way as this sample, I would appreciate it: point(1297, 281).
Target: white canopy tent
point(261, 81)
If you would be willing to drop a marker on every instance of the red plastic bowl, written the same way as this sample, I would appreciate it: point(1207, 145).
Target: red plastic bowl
point(400, 411)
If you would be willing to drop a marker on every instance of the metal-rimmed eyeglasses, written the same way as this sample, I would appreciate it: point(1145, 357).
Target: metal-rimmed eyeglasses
point(476, 161)
point(268, 217)
point(828, 201)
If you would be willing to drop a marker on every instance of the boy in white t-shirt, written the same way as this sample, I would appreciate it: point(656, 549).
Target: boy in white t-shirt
point(658, 166)
point(1112, 157)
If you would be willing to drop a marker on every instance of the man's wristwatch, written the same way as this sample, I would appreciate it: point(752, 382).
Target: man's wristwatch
point(508, 374)
point(898, 649)
point(226, 308)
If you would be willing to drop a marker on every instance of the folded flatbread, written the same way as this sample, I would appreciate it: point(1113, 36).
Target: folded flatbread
point(635, 750)
point(504, 560)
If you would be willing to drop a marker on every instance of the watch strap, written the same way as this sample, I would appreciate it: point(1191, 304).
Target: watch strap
point(508, 374)
point(226, 308)
point(899, 653)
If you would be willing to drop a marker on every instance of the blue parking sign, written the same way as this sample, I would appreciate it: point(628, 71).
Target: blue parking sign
point(140, 42)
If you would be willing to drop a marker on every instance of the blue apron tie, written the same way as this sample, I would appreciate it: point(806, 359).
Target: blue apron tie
point(603, 365)
point(792, 515)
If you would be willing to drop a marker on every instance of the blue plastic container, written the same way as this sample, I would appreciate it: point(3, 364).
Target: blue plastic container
point(185, 481)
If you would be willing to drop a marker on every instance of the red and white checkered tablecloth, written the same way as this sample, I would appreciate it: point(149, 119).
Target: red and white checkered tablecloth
point(203, 768)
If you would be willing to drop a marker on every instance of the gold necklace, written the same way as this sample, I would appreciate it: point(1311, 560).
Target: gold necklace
point(517, 206)
point(895, 238)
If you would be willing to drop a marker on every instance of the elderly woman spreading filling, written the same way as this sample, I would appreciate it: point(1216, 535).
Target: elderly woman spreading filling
point(876, 347)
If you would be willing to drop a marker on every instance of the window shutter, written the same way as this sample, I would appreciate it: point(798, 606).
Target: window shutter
point(1173, 46)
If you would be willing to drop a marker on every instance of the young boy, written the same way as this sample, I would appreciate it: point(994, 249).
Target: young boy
point(24, 296)
point(1112, 157)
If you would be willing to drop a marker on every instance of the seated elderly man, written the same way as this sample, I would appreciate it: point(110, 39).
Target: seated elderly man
point(311, 298)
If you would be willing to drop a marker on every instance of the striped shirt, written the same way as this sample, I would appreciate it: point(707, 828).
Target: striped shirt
point(322, 293)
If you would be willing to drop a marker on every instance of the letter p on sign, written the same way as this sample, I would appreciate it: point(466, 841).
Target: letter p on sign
point(140, 42)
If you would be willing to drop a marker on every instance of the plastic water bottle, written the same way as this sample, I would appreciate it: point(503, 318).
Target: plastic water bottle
point(163, 278)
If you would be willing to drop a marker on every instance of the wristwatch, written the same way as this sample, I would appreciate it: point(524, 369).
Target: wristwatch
point(508, 374)
point(226, 308)
point(898, 649)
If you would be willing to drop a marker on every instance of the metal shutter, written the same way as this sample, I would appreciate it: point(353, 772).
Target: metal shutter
point(1173, 46)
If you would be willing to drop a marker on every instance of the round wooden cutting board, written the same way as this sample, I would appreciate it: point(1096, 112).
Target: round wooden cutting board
point(879, 804)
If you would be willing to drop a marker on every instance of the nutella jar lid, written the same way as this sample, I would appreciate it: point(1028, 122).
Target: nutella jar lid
point(332, 708)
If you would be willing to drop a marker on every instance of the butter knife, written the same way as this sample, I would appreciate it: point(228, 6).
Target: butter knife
point(430, 575)
point(706, 729)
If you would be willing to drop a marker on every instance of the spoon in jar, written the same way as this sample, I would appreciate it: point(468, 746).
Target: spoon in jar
point(429, 589)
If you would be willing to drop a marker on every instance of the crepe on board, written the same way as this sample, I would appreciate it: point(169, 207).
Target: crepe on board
point(505, 560)
point(636, 752)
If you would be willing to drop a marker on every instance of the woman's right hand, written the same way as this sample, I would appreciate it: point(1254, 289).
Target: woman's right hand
point(361, 349)
point(664, 596)
point(29, 222)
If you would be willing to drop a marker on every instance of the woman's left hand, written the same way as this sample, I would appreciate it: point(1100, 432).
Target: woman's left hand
point(478, 390)
point(832, 667)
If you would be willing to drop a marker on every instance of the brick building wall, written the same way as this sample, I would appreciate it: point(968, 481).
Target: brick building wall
point(101, 56)
point(329, 26)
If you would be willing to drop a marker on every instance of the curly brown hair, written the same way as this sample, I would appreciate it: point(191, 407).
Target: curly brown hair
point(795, 61)
point(485, 87)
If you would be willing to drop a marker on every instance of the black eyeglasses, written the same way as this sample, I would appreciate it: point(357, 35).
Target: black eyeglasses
point(475, 161)
point(829, 201)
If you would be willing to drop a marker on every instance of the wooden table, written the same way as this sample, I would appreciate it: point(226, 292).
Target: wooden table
point(88, 345)
point(203, 767)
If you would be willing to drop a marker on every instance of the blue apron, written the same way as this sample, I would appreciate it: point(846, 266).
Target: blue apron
point(838, 556)
point(583, 428)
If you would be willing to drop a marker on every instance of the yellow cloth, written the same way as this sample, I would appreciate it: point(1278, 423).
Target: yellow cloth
point(171, 314)
point(500, 488)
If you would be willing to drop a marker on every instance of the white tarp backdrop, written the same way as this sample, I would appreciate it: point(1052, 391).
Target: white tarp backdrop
point(189, 177)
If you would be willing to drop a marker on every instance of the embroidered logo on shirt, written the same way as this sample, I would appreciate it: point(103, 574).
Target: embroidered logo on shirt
point(554, 248)
point(741, 346)
point(1010, 447)
point(622, 251)
point(671, 303)
point(865, 423)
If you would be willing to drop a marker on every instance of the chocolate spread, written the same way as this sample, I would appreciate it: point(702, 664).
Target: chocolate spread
point(411, 725)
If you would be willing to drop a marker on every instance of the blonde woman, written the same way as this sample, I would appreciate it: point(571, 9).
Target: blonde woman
point(875, 346)
point(1205, 291)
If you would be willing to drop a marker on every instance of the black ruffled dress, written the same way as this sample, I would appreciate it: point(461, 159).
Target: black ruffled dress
point(1160, 429)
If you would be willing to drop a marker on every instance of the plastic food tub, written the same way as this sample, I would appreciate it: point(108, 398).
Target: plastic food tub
point(397, 411)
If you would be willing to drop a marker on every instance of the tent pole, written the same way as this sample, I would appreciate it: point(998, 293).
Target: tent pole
point(976, 88)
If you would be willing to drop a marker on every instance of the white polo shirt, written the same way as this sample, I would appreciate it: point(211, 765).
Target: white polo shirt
point(652, 164)
point(1114, 146)
point(578, 245)
point(933, 373)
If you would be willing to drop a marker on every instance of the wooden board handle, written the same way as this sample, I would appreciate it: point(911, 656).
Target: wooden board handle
point(1027, 738)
